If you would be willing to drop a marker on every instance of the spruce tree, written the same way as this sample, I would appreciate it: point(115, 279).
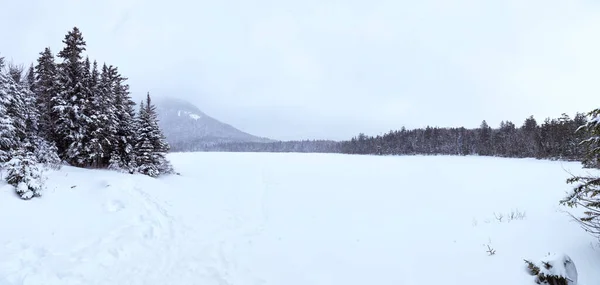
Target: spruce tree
point(530, 138)
point(45, 153)
point(158, 139)
point(125, 124)
point(15, 102)
point(146, 161)
point(46, 89)
point(7, 129)
point(24, 174)
point(484, 146)
point(151, 147)
point(586, 193)
point(15, 72)
point(98, 123)
point(108, 123)
point(31, 78)
point(81, 149)
point(25, 116)
point(71, 99)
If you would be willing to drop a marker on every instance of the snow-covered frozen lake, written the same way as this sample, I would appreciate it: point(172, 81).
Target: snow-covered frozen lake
point(296, 219)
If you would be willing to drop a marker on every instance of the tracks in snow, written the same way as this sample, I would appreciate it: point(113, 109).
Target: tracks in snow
point(148, 244)
point(141, 248)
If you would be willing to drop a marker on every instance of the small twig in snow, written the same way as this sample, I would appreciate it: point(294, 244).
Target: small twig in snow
point(490, 250)
point(499, 216)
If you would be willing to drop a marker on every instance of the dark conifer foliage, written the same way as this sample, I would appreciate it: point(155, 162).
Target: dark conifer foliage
point(554, 139)
point(8, 140)
point(144, 149)
point(151, 146)
point(305, 146)
point(31, 78)
point(46, 90)
point(71, 112)
point(124, 138)
point(586, 192)
point(97, 125)
point(22, 148)
point(89, 109)
point(17, 95)
point(72, 99)
point(15, 72)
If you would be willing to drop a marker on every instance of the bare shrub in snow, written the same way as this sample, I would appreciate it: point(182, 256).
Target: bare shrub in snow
point(499, 217)
point(513, 215)
point(516, 215)
point(490, 250)
point(554, 269)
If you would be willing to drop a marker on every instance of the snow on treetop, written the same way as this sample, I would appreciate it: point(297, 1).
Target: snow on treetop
point(595, 120)
point(560, 265)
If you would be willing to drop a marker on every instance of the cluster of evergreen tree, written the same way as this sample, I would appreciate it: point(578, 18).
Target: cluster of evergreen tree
point(77, 113)
point(553, 139)
point(21, 148)
point(586, 192)
point(305, 146)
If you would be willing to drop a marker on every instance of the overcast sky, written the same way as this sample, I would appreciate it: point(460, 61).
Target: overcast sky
point(333, 68)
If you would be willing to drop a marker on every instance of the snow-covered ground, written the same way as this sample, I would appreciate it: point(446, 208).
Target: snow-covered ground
point(295, 219)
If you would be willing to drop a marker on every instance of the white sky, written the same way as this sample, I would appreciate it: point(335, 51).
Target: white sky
point(333, 68)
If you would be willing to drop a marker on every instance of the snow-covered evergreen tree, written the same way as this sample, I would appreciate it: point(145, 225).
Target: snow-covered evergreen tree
point(151, 147)
point(15, 72)
point(31, 113)
point(71, 99)
point(46, 89)
point(19, 105)
point(30, 76)
point(586, 193)
point(80, 149)
point(107, 123)
point(72, 112)
point(16, 108)
point(46, 153)
point(125, 123)
point(115, 163)
point(146, 161)
point(7, 129)
point(158, 139)
point(592, 143)
point(24, 174)
point(97, 117)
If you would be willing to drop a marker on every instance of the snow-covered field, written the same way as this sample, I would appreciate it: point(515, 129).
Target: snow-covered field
point(295, 219)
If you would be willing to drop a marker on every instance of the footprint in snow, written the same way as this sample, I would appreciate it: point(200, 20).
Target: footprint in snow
point(114, 206)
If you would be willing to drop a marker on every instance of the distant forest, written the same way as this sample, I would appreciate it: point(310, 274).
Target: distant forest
point(312, 146)
point(557, 138)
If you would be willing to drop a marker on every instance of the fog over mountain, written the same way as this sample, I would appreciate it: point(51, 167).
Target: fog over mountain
point(187, 127)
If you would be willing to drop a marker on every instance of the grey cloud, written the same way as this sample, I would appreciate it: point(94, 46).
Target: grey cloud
point(330, 68)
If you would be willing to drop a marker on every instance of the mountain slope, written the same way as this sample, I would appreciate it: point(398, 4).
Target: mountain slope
point(187, 128)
